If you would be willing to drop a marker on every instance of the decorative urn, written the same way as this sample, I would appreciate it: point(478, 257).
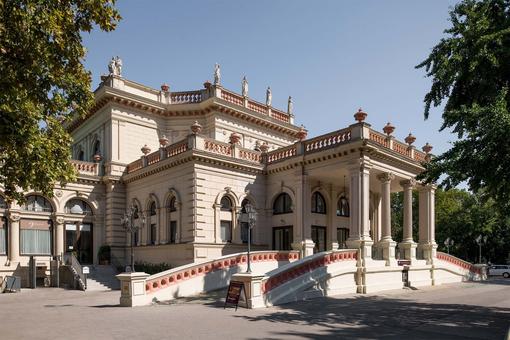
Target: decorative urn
point(264, 147)
point(388, 129)
point(145, 149)
point(196, 128)
point(207, 84)
point(97, 158)
point(235, 138)
point(410, 139)
point(302, 133)
point(165, 87)
point(360, 116)
point(427, 148)
point(163, 141)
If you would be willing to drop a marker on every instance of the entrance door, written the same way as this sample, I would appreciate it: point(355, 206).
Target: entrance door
point(319, 238)
point(79, 241)
point(282, 238)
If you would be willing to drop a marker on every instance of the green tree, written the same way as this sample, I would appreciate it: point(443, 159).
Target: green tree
point(470, 71)
point(43, 84)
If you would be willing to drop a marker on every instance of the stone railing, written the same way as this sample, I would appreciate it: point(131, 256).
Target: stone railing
point(186, 97)
point(399, 147)
point(232, 97)
point(378, 137)
point(458, 262)
point(217, 147)
point(174, 276)
point(257, 107)
point(153, 157)
point(328, 140)
point(279, 115)
point(85, 168)
point(133, 166)
point(280, 277)
point(176, 148)
point(282, 153)
point(250, 155)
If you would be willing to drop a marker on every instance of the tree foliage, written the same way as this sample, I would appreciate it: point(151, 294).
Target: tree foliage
point(43, 84)
point(470, 71)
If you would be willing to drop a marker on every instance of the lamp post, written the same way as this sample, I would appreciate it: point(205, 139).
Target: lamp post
point(127, 222)
point(448, 243)
point(480, 240)
point(248, 215)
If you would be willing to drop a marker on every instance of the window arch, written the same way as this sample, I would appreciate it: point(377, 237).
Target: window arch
point(342, 207)
point(226, 218)
point(153, 222)
point(282, 204)
point(78, 206)
point(226, 203)
point(172, 217)
point(37, 203)
point(318, 203)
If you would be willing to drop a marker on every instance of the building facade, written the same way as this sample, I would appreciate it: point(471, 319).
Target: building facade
point(189, 161)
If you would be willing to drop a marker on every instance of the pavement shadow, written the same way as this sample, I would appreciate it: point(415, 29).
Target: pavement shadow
point(377, 317)
point(215, 299)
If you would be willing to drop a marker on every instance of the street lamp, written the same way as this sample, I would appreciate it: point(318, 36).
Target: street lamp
point(448, 243)
point(127, 222)
point(480, 240)
point(248, 215)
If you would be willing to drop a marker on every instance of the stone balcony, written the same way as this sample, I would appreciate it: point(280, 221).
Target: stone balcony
point(85, 168)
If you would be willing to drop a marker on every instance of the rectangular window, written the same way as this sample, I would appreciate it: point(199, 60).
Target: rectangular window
point(282, 238)
point(173, 232)
point(342, 235)
point(319, 238)
point(226, 231)
point(3, 236)
point(153, 233)
point(35, 237)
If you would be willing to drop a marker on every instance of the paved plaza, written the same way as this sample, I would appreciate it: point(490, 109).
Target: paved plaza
point(455, 311)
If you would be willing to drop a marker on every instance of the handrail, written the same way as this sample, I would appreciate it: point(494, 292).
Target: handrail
point(71, 260)
point(458, 262)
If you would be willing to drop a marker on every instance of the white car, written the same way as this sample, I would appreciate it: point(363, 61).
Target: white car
point(499, 269)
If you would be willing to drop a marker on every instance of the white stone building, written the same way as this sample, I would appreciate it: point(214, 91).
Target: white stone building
point(188, 161)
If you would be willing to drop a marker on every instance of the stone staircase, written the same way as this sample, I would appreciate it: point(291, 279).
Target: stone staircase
point(102, 278)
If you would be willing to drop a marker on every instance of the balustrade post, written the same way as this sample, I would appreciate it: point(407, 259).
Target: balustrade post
point(132, 289)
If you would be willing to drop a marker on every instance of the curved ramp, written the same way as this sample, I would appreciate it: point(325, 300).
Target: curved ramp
point(327, 273)
point(448, 268)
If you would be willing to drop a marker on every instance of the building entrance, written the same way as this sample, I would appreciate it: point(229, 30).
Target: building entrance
point(79, 241)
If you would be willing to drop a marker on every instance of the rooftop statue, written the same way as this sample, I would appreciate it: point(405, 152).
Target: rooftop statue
point(115, 66)
point(290, 106)
point(269, 96)
point(244, 88)
point(217, 74)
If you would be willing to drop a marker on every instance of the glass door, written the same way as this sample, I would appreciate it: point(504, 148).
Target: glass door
point(282, 238)
point(79, 241)
point(319, 238)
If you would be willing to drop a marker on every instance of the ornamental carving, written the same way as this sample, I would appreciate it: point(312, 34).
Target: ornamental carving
point(14, 217)
point(386, 177)
point(58, 193)
point(411, 182)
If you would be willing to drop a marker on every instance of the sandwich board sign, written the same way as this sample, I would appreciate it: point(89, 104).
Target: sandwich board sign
point(235, 289)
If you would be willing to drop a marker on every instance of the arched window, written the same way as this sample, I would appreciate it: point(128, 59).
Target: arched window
point(226, 203)
point(37, 203)
point(318, 203)
point(342, 207)
point(226, 218)
point(172, 220)
point(3, 203)
point(78, 206)
point(282, 204)
point(153, 222)
point(97, 148)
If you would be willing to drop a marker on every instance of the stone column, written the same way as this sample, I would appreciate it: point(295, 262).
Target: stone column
point(408, 246)
point(427, 245)
point(13, 237)
point(331, 211)
point(386, 244)
point(59, 236)
point(302, 211)
point(359, 191)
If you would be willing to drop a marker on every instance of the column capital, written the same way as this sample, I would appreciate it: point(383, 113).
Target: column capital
point(386, 177)
point(406, 183)
point(360, 165)
point(59, 219)
point(427, 187)
point(13, 216)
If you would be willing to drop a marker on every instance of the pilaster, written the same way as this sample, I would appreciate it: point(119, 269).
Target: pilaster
point(14, 218)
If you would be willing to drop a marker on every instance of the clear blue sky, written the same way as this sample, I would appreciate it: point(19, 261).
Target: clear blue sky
point(331, 56)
